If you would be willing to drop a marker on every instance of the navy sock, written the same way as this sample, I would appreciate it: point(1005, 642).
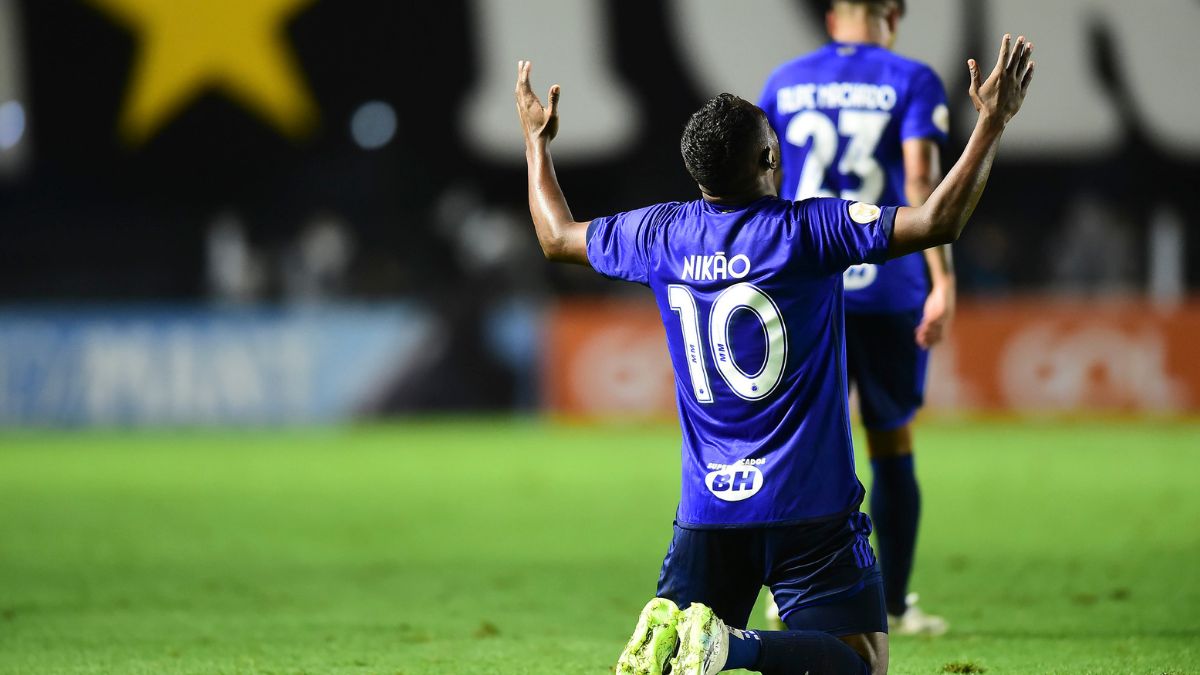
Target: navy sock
point(806, 652)
point(744, 647)
point(895, 510)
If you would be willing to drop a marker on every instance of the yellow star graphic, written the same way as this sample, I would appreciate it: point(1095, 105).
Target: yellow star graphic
point(189, 46)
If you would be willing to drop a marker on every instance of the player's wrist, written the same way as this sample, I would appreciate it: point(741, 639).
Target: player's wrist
point(943, 281)
point(536, 146)
point(990, 122)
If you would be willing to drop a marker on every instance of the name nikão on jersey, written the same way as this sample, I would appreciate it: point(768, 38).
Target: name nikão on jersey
point(715, 267)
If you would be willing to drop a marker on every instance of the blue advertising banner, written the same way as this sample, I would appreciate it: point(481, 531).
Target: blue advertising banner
point(197, 366)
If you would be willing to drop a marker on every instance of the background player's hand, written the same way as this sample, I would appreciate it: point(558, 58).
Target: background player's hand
point(539, 123)
point(939, 310)
point(1001, 95)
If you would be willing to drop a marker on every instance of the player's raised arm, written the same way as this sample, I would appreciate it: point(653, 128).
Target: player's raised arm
point(942, 217)
point(562, 238)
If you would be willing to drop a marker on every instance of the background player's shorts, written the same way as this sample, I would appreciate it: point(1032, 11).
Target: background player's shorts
point(823, 574)
point(886, 366)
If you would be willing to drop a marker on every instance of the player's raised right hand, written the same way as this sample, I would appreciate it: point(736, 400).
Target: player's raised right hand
point(1001, 95)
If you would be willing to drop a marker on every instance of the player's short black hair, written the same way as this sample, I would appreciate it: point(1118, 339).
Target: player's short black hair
point(716, 137)
point(881, 5)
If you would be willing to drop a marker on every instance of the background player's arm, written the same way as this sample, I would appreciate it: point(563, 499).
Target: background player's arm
point(562, 238)
point(922, 171)
point(944, 215)
point(942, 299)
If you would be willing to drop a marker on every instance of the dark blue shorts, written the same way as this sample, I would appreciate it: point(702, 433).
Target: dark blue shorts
point(823, 574)
point(886, 366)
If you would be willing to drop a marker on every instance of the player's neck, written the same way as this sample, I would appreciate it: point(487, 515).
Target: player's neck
point(865, 33)
point(741, 197)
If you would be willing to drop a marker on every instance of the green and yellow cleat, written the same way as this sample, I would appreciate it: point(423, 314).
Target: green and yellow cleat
point(653, 641)
point(703, 642)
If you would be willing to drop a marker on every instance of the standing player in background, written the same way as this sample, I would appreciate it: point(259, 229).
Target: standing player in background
point(749, 287)
point(859, 122)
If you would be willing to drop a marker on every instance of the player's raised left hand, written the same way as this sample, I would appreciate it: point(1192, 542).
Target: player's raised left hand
point(539, 123)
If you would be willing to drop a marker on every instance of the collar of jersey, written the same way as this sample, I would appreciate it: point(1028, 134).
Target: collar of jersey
point(857, 45)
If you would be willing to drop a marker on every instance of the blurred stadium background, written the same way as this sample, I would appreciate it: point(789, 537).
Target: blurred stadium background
point(295, 213)
point(320, 215)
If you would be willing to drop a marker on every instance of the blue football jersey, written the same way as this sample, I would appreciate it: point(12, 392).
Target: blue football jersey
point(751, 299)
point(841, 114)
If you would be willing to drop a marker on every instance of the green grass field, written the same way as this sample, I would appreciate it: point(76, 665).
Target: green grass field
point(487, 546)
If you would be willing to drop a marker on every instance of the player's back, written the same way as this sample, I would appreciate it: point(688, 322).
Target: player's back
point(842, 114)
point(750, 298)
point(844, 111)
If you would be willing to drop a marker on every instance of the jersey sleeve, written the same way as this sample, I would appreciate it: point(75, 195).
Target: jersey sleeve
point(927, 115)
point(839, 233)
point(618, 246)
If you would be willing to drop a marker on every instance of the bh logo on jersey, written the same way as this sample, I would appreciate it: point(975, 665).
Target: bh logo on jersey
point(734, 482)
point(859, 277)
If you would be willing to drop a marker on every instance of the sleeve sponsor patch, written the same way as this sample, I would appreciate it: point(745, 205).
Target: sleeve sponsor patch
point(941, 118)
point(863, 213)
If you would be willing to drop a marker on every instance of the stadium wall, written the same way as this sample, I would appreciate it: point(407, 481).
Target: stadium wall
point(1027, 357)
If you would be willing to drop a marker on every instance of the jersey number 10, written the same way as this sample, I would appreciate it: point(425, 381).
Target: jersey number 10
point(864, 128)
point(738, 297)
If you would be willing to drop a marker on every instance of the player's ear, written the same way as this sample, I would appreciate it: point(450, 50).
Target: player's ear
point(768, 159)
point(777, 168)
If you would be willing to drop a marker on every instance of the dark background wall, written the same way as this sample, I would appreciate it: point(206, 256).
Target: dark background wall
point(87, 215)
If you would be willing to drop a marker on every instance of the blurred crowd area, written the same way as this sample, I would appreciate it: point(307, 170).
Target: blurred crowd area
point(313, 152)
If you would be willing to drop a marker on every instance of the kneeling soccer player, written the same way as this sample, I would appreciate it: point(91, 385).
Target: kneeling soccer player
point(750, 290)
